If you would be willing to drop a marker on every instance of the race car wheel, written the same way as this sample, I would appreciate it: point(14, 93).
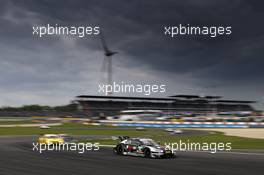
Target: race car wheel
point(147, 153)
point(120, 149)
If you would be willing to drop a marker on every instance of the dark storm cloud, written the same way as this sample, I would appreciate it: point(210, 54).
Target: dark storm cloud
point(135, 30)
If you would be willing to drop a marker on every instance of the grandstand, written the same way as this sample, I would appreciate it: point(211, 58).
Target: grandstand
point(112, 105)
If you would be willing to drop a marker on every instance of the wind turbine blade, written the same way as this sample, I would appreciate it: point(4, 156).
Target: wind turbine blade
point(110, 71)
point(103, 69)
point(103, 42)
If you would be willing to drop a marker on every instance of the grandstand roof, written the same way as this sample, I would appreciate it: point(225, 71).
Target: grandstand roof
point(193, 98)
point(235, 101)
point(196, 96)
point(122, 98)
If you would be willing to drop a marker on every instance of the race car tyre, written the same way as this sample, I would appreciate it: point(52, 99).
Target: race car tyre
point(147, 153)
point(171, 156)
point(120, 149)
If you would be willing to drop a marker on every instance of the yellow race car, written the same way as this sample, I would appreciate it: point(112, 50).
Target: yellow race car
point(50, 139)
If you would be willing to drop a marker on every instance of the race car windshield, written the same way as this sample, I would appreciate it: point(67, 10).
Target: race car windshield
point(149, 142)
point(52, 137)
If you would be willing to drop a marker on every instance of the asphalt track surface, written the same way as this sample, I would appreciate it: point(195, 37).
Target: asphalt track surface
point(17, 158)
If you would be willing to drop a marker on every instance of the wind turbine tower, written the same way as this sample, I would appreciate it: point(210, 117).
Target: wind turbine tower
point(107, 62)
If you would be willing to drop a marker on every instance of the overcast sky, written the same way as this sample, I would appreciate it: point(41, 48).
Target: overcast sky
point(53, 70)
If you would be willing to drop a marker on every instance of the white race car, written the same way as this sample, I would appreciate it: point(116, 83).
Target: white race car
point(143, 147)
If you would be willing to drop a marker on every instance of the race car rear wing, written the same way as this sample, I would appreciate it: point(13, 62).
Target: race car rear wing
point(121, 138)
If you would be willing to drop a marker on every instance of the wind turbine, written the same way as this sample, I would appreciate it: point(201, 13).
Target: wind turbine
point(107, 62)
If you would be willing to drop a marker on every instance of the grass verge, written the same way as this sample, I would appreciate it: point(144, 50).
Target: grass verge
point(156, 134)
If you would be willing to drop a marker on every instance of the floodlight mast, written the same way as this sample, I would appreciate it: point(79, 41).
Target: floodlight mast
point(108, 60)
